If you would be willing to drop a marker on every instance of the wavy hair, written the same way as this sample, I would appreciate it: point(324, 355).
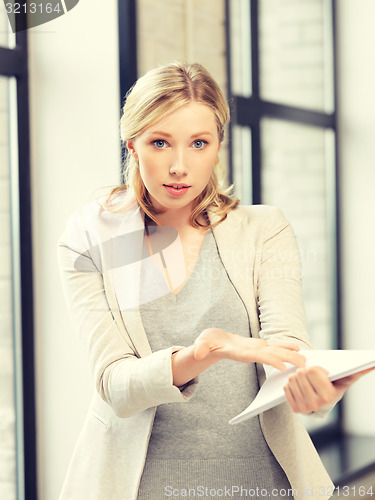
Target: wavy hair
point(155, 95)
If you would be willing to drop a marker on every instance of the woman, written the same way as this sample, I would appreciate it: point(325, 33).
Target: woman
point(169, 279)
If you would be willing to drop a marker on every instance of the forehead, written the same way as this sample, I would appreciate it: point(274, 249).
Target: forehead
point(190, 117)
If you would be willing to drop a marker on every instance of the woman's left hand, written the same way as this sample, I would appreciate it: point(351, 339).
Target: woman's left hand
point(309, 389)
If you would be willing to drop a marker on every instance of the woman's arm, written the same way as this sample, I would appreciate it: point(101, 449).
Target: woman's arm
point(279, 284)
point(128, 383)
point(282, 315)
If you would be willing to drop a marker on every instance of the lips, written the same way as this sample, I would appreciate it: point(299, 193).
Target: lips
point(176, 189)
point(177, 186)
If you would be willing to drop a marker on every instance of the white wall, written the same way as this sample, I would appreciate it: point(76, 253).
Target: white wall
point(75, 108)
point(356, 77)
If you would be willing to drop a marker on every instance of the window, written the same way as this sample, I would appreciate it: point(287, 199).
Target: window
point(283, 137)
point(17, 405)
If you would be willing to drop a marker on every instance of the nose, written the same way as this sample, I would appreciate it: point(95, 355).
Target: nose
point(178, 166)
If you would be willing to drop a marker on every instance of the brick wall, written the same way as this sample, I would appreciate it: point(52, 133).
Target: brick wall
point(7, 410)
point(293, 53)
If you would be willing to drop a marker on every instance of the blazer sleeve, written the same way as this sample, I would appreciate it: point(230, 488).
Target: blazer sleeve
point(280, 301)
point(279, 293)
point(127, 382)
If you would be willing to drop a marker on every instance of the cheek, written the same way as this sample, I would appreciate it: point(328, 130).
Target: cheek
point(208, 165)
point(145, 173)
point(147, 165)
point(152, 161)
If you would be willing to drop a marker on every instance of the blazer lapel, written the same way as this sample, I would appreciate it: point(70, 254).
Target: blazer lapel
point(236, 252)
point(128, 260)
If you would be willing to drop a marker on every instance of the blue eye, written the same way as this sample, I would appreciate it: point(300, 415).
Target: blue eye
point(199, 144)
point(159, 143)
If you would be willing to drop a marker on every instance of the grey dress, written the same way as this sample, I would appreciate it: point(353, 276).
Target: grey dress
point(193, 451)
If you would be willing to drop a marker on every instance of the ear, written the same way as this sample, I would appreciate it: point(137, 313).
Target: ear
point(219, 147)
point(131, 148)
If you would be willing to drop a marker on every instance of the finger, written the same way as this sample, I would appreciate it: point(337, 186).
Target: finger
point(363, 372)
point(296, 359)
point(346, 382)
point(266, 358)
point(304, 392)
point(290, 398)
point(318, 378)
point(288, 345)
point(287, 356)
point(276, 357)
point(358, 375)
point(270, 359)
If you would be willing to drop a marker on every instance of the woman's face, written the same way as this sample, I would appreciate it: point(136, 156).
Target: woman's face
point(179, 150)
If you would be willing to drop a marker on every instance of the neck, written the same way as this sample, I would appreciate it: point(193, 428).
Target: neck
point(179, 221)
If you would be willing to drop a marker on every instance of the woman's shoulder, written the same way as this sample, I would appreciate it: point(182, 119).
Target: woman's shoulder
point(260, 221)
point(107, 208)
point(258, 214)
point(98, 220)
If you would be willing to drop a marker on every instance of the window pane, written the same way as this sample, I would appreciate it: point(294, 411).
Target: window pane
point(298, 177)
point(242, 178)
point(7, 402)
point(240, 47)
point(7, 38)
point(295, 45)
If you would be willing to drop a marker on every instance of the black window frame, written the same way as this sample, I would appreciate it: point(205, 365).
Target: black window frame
point(127, 22)
point(14, 63)
point(128, 65)
point(248, 112)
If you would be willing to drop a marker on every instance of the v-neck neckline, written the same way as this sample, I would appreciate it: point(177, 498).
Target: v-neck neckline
point(186, 284)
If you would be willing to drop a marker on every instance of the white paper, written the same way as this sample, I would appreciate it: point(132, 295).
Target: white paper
point(339, 364)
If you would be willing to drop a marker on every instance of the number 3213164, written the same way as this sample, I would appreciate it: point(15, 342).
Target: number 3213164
point(32, 8)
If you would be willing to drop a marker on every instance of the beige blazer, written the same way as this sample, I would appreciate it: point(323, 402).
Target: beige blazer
point(258, 249)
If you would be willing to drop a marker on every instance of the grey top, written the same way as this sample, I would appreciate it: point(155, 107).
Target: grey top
point(192, 444)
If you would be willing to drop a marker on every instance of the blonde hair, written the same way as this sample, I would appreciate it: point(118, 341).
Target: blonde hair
point(155, 95)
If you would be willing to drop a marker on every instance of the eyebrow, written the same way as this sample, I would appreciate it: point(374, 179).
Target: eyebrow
point(198, 134)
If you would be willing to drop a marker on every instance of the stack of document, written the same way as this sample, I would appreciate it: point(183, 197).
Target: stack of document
point(338, 363)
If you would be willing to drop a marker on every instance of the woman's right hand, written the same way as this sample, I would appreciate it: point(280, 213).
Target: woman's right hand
point(219, 344)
